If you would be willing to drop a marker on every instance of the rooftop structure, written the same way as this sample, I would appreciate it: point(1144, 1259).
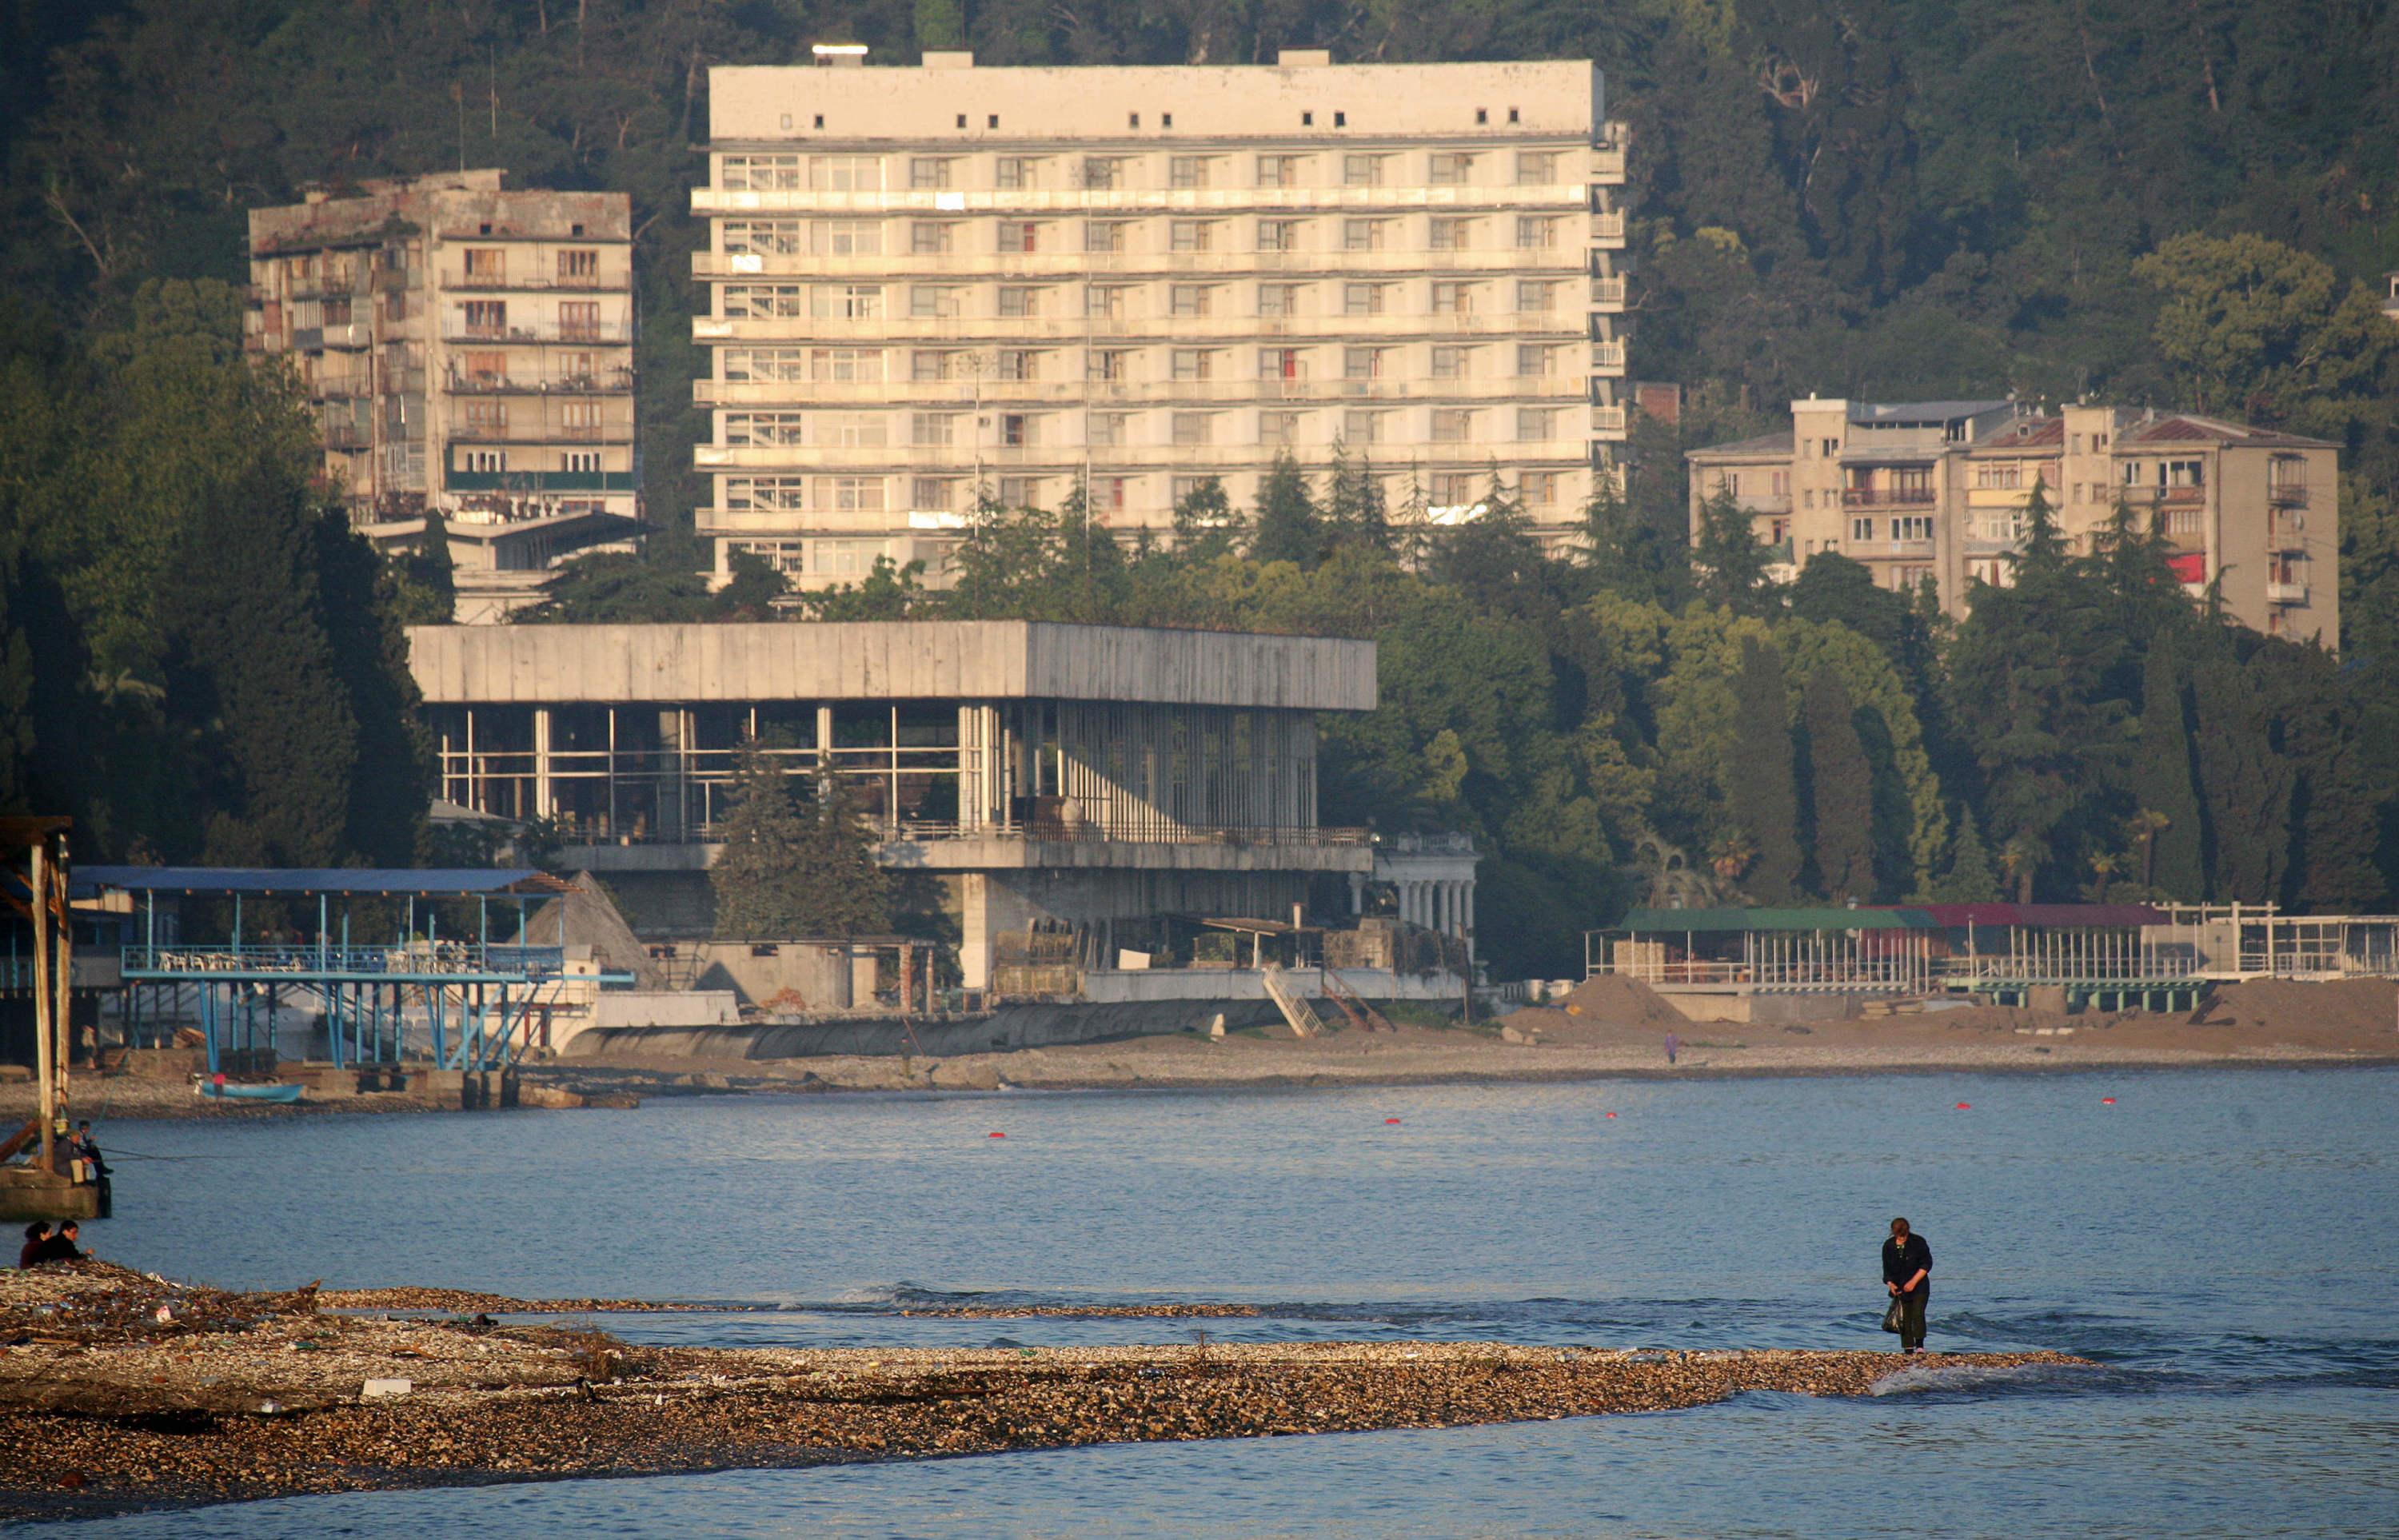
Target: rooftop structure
point(1079, 778)
point(928, 285)
point(1936, 491)
point(467, 350)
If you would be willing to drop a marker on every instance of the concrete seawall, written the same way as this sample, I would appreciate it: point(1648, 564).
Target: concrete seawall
point(1013, 1027)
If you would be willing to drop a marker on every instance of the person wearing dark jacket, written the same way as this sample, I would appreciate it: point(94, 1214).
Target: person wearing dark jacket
point(38, 1236)
point(1907, 1273)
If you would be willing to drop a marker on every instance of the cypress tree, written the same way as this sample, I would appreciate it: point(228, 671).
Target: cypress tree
point(1289, 528)
point(2246, 787)
point(1841, 789)
point(762, 878)
point(1761, 790)
point(2165, 795)
point(1971, 879)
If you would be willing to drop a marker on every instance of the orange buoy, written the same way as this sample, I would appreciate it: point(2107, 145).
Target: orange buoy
point(1611, 1114)
point(999, 1136)
point(2107, 1101)
point(1965, 1106)
point(1390, 1120)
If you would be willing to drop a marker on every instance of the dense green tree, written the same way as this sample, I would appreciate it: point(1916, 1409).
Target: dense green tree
point(1840, 789)
point(1761, 787)
point(2165, 795)
point(1205, 525)
point(1354, 512)
point(427, 577)
point(615, 587)
point(1729, 561)
point(886, 592)
point(763, 877)
point(750, 590)
point(1969, 878)
point(2246, 785)
point(1288, 527)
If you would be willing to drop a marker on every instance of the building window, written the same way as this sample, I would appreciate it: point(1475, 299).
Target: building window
point(1189, 301)
point(934, 429)
point(1278, 235)
point(1282, 364)
point(1192, 429)
point(934, 494)
point(1109, 366)
point(778, 429)
point(1535, 423)
point(1536, 167)
point(1107, 429)
point(936, 303)
point(579, 320)
point(485, 462)
point(486, 369)
point(579, 462)
point(929, 173)
point(930, 364)
point(782, 555)
point(1536, 359)
point(761, 174)
point(487, 264)
point(759, 364)
point(850, 302)
point(1106, 301)
point(1017, 173)
point(1449, 167)
point(1018, 236)
point(1020, 492)
point(580, 419)
point(1194, 363)
point(858, 494)
point(1862, 529)
point(578, 266)
point(1280, 170)
point(1017, 301)
point(1190, 235)
point(851, 238)
point(1280, 429)
point(1363, 234)
point(1188, 171)
point(1365, 299)
point(1451, 489)
point(1452, 425)
point(1451, 232)
point(486, 418)
point(1537, 489)
point(765, 494)
point(772, 237)
point(1363, 171)
point(849, 173)
point(1450, 362)
point(1914, 526)
point(1279, 300)
point(487, 318)
point(856, 430)
point(1101, 173)
point(1535, 296)
point(849, 365)
point(1104, 236)
point(1361, 427)
point(1364, 364)
point(1019, 430)
point(1453, 298)
point(1992, 474)
point(932, 238)
point(749, 300)
point(1537, 232)
point(1019, 364)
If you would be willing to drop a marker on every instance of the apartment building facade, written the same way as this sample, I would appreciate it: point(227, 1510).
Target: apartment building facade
point(467, 350)
point(1936, 491)
point(937, 283)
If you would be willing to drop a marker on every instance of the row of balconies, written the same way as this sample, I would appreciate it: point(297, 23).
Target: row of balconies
point(1071, 458)
point(1229, 330)
point(539, 381)
point(456, 329)
point(540, 433)
point(456, 278)
point(1133, 202)
point(987, 266)
point(1553, 389)
point(1888, 497)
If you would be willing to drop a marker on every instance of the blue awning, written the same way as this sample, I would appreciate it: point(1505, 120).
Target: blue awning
point(402, 881)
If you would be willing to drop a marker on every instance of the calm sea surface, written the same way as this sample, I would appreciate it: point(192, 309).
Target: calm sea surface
point(2226, 1243)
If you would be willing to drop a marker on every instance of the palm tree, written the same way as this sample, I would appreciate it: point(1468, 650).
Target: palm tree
point(2019, 858)
point(2146, 826)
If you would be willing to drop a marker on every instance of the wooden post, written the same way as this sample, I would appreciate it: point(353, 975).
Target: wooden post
point(44, 1010)
point(63, 949)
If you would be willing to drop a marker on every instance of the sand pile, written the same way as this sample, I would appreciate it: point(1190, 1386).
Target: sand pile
point(2364, 1007)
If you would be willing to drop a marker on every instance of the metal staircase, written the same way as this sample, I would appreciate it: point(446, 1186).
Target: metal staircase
point(1295, 1011)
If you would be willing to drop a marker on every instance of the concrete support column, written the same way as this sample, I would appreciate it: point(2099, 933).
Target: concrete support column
point(671, 784)
point(1356, 893)
point(541, 794)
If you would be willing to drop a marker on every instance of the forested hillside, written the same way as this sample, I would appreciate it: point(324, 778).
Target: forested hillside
point(2141, 203)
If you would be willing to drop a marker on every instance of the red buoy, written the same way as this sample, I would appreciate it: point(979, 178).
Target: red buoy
point(1611, 1114)
point(2107, 1101)
point(1965, 1106)
point(1390, 1120)
point(999, 1136)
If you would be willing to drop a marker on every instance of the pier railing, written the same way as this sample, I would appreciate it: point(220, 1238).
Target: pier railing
point(411, 960)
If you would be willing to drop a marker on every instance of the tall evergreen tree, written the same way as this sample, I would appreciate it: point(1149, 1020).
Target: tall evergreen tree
point(1971, 878)
point(2163, 786)
point(1729, 561)
point(1288, 527)
point(1205, 525)
point(850, 892)
point(1760, 785)
point(1841, 789)
point(1354, 511)
point(762, 878)
point(2246, 785)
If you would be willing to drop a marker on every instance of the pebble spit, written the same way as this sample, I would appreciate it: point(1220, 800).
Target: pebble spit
point(105, 1407)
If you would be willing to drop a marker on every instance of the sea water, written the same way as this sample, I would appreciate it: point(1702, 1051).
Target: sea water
point(2223, 1242)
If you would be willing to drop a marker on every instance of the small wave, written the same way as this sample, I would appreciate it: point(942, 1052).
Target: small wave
point(1981, 1380)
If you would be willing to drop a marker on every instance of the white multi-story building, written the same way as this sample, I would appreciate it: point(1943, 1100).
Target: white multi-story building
point(929, 285)
point(467, 349)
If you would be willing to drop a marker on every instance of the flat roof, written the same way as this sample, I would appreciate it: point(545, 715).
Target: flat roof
point(1826, 918)
point(355, 881)
point(887, 660)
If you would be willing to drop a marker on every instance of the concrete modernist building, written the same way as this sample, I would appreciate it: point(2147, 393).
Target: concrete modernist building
point(467, 349)
point(1067, 777)
point(931, 281)
point(1937, 489)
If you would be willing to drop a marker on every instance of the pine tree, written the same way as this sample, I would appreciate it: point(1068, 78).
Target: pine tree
point(1354, 511)
point(849, 892)
point(1205, 525)
point(1731, 561)
point(433, 568)
point(1761, 790)
point(762, 879)
point(2244, 785)
point(2164, 794)
point(1289, 528)
point(1971, 878)
point(1841, 788)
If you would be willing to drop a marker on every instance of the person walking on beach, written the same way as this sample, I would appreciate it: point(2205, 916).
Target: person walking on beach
point(1673, 1045)
point(1907, 1273)
point(37, 1235)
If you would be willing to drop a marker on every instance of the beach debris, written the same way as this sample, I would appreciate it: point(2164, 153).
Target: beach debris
point(376, 1390)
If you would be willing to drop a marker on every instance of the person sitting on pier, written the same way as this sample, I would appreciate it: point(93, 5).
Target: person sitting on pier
point(37, 1235)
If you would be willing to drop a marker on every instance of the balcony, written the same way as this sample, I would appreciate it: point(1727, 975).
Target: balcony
point(1888, 550)
point(1888, 497)
point(457, 329)
point(458, 280)
point(541, 433)
point(1607, 228)
point(2287, 495)
point(347, 436)
point(2285, 534)
point(1608, 293)
point(1133, 202)
point(1607, 164)
point(2285, 593)
point(1608, 421)
point(1608, 356)
point(1531, 390)
point(597, 382)
point(2143, 497)
point(347, 334)
point(538, 481)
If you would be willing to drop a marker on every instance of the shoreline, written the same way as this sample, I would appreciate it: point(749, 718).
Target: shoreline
point(107, 1407)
